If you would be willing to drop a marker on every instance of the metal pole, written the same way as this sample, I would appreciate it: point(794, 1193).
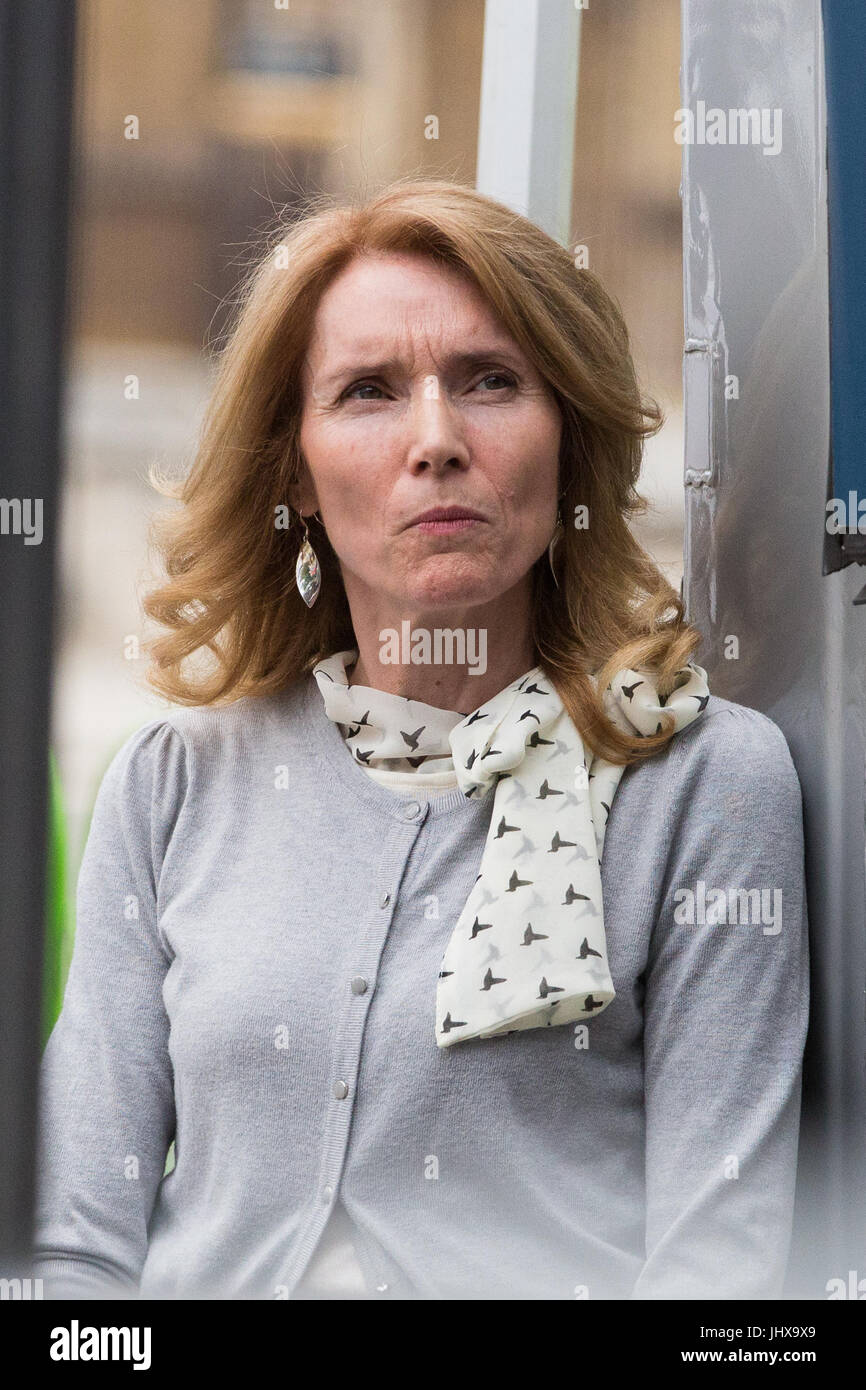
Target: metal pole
point(36, 79)
point(528, 108)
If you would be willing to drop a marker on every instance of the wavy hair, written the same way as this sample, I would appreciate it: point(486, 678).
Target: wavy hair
point(230, 587)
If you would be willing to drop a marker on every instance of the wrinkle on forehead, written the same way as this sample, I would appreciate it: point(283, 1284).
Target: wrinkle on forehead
point(417, 327)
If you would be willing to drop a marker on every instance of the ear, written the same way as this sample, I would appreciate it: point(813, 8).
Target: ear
point(302, 493)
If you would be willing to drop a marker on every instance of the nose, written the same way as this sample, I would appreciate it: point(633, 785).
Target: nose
point(436, 440)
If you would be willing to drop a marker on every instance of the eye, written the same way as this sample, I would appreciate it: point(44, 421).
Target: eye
point(349, 393)
point(505, 380)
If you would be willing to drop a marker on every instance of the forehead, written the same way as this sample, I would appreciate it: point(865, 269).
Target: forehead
point(400, 295)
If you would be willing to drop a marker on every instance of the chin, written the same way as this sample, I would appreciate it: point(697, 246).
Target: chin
point(450, 581)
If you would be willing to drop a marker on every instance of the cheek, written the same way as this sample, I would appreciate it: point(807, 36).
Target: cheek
point(548, 434)
point(346, 460)
point(545, 475)
point(525, 459)
point(359, 435)
point(351, 466)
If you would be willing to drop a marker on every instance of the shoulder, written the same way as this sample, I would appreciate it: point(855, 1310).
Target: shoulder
point(187, 746)
point(734, 740)
point(732, 765)
point(170, 776)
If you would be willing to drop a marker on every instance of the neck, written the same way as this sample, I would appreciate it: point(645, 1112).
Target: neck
point(454, 659)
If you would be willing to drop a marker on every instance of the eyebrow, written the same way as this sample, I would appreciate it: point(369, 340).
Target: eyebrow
point(455, 361)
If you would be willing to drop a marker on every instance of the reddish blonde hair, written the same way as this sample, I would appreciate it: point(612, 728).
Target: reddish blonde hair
point(230, 587)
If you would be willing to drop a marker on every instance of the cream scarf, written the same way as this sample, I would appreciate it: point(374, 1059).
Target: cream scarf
point(528, 949)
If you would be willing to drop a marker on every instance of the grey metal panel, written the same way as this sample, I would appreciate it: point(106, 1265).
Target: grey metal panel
point(528, 105)
point(756, 309)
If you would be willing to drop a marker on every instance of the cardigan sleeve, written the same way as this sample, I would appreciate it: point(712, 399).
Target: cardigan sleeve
point(725, 1017)
point(106, 1100)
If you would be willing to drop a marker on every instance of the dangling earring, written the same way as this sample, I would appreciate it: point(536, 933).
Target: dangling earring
point(554, 541)
point(308, 575)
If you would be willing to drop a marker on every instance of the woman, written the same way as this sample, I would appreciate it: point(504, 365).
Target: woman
point(342, 931)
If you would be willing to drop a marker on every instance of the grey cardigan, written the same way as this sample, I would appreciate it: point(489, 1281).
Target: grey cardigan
point(259, 932)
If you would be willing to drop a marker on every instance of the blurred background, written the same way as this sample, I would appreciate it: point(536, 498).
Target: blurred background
point(243, 106)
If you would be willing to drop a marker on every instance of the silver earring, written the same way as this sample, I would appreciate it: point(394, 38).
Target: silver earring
point(308, 575)
point(554, 541)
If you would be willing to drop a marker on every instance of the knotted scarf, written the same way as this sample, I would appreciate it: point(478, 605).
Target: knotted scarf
point(528, 949)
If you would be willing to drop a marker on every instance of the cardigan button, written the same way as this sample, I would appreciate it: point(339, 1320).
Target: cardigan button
point(341, 1090)
point(385, 899)
point(359, 985)
point(411, 810)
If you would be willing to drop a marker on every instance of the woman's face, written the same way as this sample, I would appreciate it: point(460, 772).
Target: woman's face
point(416, 398)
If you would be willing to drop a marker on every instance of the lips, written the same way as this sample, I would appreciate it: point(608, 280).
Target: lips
point(434, 514)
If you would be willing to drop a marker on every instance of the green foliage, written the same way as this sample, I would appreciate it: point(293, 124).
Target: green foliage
point(59, 917)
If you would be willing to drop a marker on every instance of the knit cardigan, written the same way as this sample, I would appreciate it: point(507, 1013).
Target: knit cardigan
point(259, 933)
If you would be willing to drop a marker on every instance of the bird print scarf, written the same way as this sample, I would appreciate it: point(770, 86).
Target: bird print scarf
point(528, 949)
